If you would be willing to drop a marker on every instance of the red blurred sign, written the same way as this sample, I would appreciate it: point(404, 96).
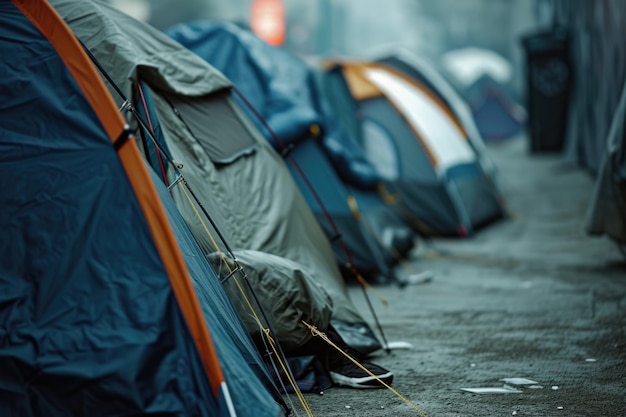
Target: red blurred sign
point(267, 20)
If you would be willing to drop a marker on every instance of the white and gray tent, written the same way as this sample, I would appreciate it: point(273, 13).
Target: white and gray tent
point(236, 175)
point(418, 145)
point(418, 67)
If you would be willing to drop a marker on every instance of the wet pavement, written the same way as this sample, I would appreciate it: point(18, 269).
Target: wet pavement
point(532, 296)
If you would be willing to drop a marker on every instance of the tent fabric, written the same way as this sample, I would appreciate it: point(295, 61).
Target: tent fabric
point(284, 90)
point(442, 186)
point(100, 314)
point(223, 146)
point(496, 114)
point(252, 199)
point(287, 292)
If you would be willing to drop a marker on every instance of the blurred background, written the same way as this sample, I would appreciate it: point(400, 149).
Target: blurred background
point(430, 28)
point(560, 64)
point(359, 27)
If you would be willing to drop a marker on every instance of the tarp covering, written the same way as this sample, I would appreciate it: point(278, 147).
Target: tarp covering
point(91, 276)
point(252, 197)
point(595, 131)
point(607, 210)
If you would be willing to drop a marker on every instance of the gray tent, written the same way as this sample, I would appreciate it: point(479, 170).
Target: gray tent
point(237, 176)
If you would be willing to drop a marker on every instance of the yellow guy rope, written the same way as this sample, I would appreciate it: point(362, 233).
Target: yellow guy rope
point(305, 405)
point(316, 332)
point(265, 331)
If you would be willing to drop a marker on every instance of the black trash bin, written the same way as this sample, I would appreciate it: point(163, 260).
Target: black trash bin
point(549, 84)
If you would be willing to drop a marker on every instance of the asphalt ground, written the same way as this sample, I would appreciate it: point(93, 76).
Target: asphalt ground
point(531, 296)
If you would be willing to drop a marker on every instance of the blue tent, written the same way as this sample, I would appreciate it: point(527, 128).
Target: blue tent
point(496, 114)
point(103, 312)
point(483, 77)
point(339, 183)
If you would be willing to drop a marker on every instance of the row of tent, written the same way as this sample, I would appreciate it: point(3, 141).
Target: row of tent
point(149, 200)
point(403, 134)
